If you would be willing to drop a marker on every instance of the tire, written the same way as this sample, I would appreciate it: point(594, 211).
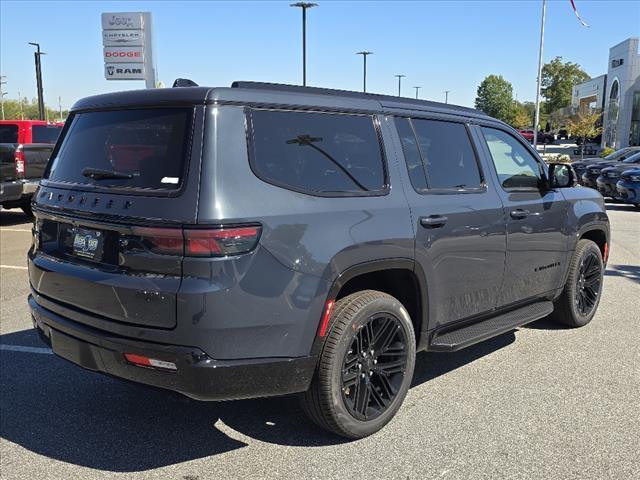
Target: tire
point(358, 408)
point(580, 297)
point(26, 208)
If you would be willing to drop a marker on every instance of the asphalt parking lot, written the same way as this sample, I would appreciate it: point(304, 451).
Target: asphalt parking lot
point(540, 402)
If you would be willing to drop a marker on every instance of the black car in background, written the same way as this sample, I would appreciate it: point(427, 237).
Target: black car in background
point(580, 166)
point(609, 176)
point(628, 187)
point(594, 170)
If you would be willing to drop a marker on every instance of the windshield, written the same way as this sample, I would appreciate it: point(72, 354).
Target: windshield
point(635, 158)
point(143, 148)
point(621, 154)
point(8, 134)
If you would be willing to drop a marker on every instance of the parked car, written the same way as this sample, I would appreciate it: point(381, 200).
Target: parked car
point(629, 186)
point(29, 131)
point(580, 166)
point(270, 239)
point(543, 137)
point(21, 167)
point(563, 133)
point(609, 176)
point(25, 146)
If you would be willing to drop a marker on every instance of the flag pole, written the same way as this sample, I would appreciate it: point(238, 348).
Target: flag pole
point(537, 116)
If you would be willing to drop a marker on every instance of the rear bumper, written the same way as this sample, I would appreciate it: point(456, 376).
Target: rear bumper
point(198, 376)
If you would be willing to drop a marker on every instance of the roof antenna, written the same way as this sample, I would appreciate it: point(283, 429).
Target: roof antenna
point(184, 82)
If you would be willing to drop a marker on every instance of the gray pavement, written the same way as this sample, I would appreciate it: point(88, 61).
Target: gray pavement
point(542, 402)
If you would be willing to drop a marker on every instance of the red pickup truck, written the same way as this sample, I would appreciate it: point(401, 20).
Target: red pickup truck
point(25, 147)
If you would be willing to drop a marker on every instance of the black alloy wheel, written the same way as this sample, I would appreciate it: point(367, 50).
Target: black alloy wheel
point(589, 284)
point(374, 366)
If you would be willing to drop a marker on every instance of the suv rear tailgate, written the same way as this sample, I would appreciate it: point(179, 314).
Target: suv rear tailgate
point(93, 250)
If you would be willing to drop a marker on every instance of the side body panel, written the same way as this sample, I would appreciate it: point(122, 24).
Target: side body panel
point(270, 303)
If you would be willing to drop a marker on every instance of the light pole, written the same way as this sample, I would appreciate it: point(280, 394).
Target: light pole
point(304, 6)
point(446, 96)
point(400, 77)
point(417, 88)
point(37, 54)
point(20, 103)
point(60, 107)
point(364, 54)
point(536, 119)
point(2, 94)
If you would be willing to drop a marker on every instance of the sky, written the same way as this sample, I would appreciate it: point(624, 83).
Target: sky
point(448, 45)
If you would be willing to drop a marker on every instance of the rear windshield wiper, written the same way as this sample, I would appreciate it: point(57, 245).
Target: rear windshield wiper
point(99, 174)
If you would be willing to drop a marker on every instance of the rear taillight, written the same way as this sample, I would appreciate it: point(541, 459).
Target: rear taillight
point(20, 163)
point(216, 242)
point(199, 242)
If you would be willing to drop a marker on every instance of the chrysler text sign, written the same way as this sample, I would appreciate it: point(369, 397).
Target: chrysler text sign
point(122, 38)
point(124, 71)
point(123, 54)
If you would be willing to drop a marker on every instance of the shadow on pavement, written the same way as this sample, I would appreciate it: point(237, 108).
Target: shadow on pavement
point(9, 218)
point(58, 410)
point(632, 272)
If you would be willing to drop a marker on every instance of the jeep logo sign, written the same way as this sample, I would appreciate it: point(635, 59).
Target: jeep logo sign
point(127, 52)
point(124, 71)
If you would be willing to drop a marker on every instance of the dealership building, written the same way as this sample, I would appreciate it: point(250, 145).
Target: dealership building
point(616, 94)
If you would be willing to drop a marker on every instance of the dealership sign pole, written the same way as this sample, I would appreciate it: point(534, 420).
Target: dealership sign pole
point(128, 51)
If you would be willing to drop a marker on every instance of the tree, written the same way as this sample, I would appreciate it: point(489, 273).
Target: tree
point(521, 116)
point(23, 108)
point(495, 98)
point(558, 80)
point(583, 126)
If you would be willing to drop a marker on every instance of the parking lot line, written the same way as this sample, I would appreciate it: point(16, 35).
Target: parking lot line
point(14, 267)
point(14, 230)
point(21, 348)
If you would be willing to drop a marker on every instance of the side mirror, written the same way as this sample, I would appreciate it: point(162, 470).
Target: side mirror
point(561, 175)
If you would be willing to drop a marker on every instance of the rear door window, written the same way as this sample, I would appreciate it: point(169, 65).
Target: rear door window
point(8, 134)
point(320, 153)
point(45, 133)
point(143, 149)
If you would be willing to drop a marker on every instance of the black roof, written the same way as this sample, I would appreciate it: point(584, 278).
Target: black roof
point(266, 93)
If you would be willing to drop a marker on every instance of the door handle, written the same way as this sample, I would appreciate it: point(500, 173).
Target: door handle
point(519, 213)
point(433, 221)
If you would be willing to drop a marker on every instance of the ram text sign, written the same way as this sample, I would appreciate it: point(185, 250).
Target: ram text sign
point(124, 71)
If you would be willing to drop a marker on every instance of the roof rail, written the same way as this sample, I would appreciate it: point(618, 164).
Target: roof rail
point(281, 87)
point(184, 82)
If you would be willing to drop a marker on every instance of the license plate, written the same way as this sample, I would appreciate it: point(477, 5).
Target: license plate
point(88, 244)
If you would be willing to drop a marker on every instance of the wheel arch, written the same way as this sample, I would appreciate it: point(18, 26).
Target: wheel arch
point(400, 277)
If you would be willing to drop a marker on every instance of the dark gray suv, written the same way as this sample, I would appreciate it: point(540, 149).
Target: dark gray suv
point(268, 239)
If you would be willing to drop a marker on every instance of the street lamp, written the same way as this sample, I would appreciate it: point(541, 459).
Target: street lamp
point(2, 94)
point(364, 54)
point(37, 55)
point(446, 96)
point(304, 6)
point(417, 88)
point(400, 77)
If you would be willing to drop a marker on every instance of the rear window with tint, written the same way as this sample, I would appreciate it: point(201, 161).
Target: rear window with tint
point(45, 133)
point(8, 134)
point(317, 152)
point(147, 145)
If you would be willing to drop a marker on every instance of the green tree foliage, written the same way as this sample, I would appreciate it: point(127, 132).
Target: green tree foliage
point(584, 126)
point(557, 83)
point(495, 98)
point(29, 111)
point(522, 117)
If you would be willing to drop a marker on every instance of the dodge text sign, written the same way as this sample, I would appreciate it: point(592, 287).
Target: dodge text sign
point(123, 54)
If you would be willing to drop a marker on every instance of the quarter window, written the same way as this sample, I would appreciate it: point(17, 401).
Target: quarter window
point(317, 152)
point(411, 154)
point(516, 167)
